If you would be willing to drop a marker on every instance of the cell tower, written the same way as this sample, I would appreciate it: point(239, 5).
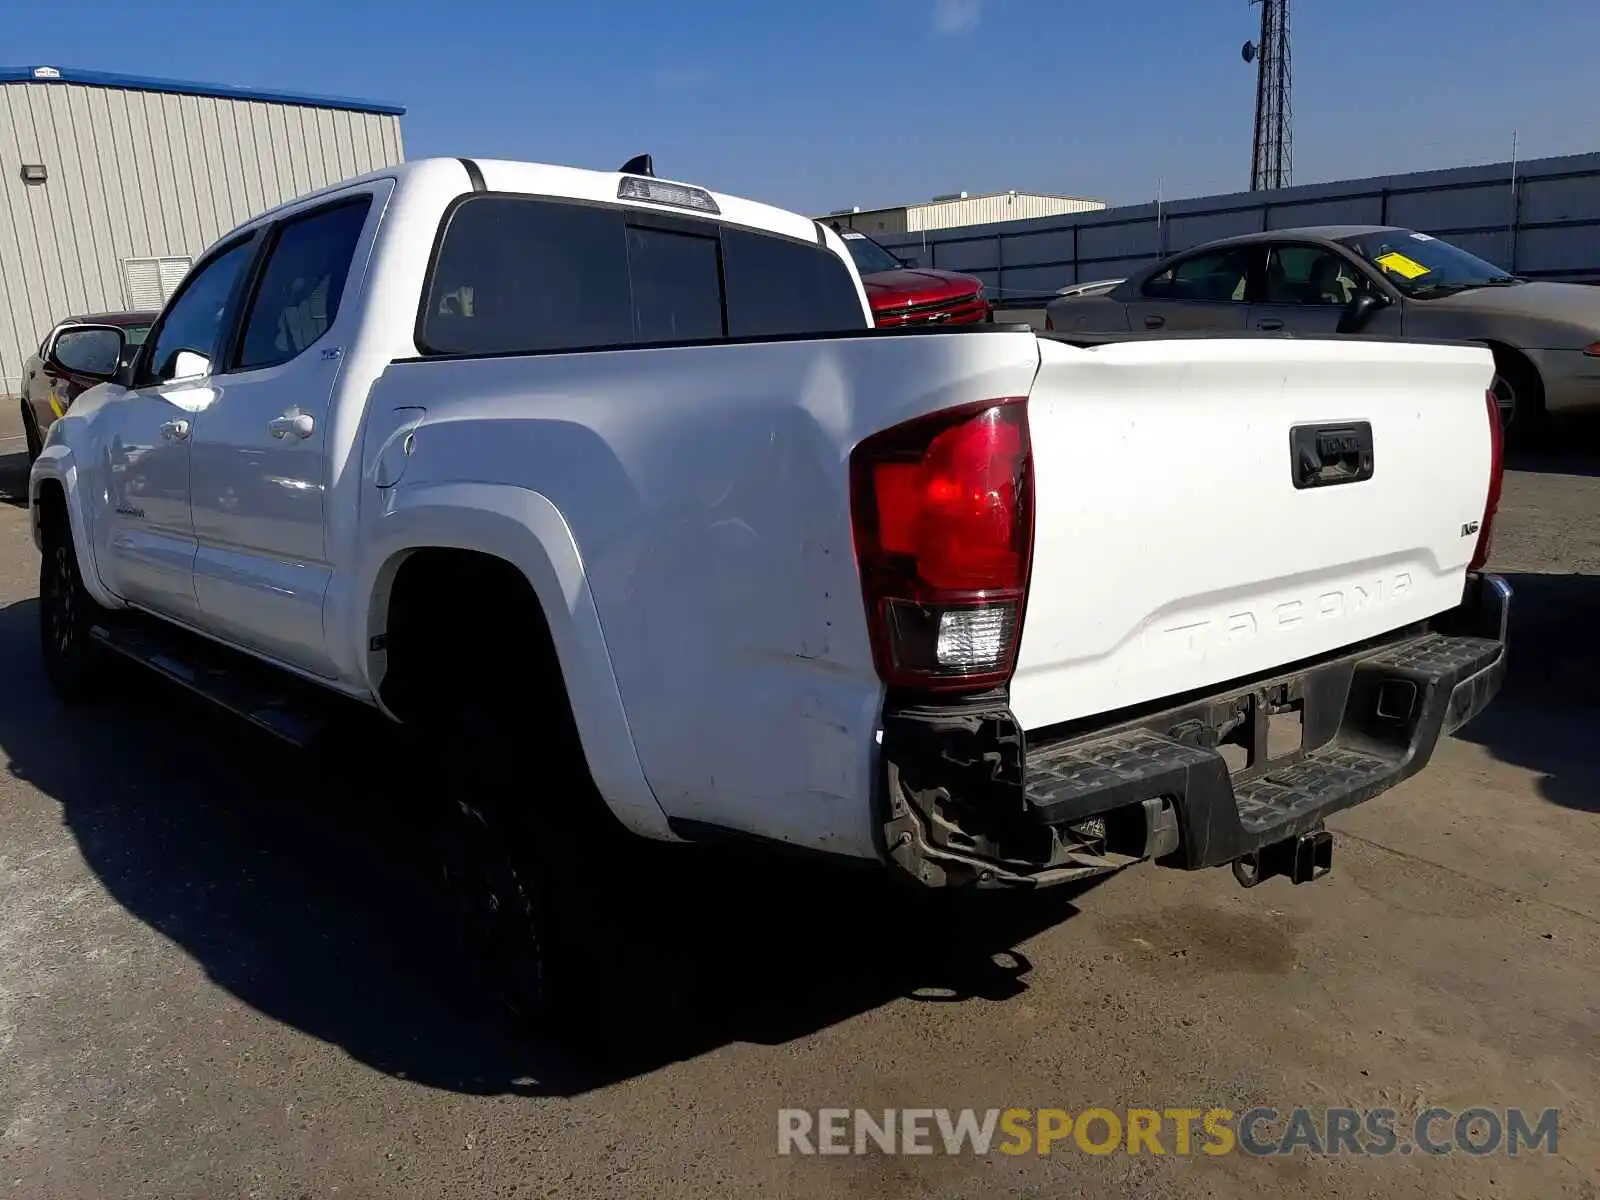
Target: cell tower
point(1272, 151)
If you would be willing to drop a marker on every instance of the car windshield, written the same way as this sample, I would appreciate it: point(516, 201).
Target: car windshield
point(1423, 266)
point(870, 257)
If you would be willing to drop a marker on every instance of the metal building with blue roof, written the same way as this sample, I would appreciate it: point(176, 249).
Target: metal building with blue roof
point(110, 185)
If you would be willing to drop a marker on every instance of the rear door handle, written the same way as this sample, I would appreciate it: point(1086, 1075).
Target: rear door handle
point(175, 431)
point(291, 424)
point(1154, 322)
point(1269, 323)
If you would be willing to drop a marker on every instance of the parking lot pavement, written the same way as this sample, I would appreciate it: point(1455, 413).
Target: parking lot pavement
point(224, 970)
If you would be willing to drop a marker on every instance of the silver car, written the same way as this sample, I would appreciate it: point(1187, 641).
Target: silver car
point(1370, 279)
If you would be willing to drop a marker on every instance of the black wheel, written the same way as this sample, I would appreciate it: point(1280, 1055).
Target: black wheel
point(1519, 393)
point(30, 432)
point(73, 662)
point(560, 899)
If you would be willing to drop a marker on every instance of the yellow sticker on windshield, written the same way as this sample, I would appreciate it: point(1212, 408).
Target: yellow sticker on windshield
point(1406, 268)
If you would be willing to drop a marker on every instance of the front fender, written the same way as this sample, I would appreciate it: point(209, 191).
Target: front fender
point(57, 463)
point(525, 529)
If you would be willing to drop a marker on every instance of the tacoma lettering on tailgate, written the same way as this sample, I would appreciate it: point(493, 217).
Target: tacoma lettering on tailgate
point(1332, 604)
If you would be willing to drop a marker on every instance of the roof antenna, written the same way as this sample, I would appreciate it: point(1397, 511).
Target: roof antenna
point(639, 164)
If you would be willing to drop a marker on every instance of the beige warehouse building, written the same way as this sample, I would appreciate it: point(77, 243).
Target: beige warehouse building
point(958, 209)
point(111, 185)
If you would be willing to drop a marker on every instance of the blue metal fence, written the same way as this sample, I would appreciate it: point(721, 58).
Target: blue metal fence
point(1541, 220)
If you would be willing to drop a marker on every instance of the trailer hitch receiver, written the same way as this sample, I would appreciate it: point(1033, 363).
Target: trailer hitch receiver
point(1302, 859)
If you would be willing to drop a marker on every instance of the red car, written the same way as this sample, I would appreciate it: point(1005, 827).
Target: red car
point(48, 390)
point(903, 295)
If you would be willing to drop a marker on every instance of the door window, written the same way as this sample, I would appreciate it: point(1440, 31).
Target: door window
point(300, 289)
point(1217, 275)
point(1298, 274)
point(193, 325)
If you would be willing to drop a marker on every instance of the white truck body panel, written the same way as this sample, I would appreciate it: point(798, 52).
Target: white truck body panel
point(683, 513)
point(1172, 551)
point(707, 493)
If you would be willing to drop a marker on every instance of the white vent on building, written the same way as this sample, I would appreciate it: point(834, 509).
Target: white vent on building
point(147, 282)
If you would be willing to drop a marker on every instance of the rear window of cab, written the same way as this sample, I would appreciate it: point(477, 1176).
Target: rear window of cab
point(529, 275)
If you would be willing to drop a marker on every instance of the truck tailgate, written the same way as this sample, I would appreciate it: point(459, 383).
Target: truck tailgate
point(1173, 549)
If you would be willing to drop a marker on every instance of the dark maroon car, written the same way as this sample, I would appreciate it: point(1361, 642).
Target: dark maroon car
point(48, 390)
point(903, 295)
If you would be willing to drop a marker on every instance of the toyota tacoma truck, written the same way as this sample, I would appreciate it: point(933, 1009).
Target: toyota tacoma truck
point(608, 486)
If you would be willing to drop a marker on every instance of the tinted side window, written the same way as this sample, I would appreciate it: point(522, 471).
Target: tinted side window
point(1310, 275)
point(777, 286)
point(193, 322)
point(1217, 275)
point(298, 296)
point(677, 289)
point(517, 274)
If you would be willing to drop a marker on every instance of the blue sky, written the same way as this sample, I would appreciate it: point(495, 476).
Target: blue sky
point(825, 104)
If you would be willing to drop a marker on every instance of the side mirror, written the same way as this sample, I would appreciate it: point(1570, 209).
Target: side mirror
point(1361, 309)
point(88, 351)
point(910, 260)
point(187, 364)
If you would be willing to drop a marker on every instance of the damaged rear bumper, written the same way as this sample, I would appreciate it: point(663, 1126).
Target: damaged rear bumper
point(967, 797)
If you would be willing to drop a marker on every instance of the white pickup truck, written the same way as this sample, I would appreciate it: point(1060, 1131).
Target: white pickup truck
point(606, 484)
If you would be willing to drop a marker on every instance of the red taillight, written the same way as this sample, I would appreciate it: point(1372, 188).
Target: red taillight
point(943, 514)
point(1497, 465)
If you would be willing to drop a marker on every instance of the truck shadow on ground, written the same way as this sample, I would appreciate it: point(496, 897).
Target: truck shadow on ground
point(307, 887)
point(1548, 710)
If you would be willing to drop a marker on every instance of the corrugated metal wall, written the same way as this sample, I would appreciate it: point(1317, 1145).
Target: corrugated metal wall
point(138, 174)
point(876, 221)
point(985, 210)
point(1543, 224)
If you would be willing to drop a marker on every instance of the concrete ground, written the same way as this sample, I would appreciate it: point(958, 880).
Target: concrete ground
point(11, 440)
point(223, 970)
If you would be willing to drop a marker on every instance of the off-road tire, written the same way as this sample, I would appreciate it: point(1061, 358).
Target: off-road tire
point(562, 901)
point(74, 662)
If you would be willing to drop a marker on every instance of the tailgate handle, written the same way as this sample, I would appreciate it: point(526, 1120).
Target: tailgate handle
point(1325, 455)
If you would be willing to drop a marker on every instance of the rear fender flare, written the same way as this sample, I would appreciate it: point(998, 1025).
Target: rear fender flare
point(525, 529)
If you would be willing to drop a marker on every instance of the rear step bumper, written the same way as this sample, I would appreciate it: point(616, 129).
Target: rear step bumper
point(968, 798)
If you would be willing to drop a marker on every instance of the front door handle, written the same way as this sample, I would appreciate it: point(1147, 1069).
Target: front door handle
point(175, 431)
point(1269, 323)
point(291, 425)
point(1154, 322)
